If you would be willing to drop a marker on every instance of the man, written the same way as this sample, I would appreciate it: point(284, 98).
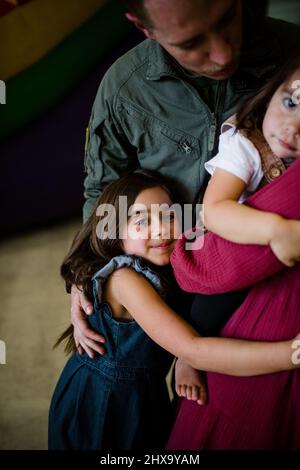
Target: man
point(160, 106)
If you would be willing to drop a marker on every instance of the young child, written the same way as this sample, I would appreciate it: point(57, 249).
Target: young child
point(120, 400)
point(264, 140)
point(255, 147)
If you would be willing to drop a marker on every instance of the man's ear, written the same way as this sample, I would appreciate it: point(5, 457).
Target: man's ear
point(139, 25)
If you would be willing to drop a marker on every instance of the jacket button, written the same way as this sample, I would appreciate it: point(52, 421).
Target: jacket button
point(274, 172)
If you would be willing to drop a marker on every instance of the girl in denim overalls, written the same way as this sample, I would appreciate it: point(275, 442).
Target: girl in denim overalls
point(120, 400)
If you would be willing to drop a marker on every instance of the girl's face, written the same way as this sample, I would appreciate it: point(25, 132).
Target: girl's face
point(281, 124)
point(151, 230)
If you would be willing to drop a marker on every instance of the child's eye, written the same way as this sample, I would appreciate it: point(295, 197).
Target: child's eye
point(141, 222)
point(289, 103)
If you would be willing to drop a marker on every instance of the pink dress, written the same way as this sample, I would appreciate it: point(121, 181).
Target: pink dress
point(261, 412)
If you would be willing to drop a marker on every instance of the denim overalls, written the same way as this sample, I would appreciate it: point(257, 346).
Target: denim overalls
point(119, 400)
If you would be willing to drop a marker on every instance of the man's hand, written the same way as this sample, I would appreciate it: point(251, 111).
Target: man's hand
point(85, 338)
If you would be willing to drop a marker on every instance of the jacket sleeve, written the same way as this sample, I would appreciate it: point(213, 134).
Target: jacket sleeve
point(108, 155)
point(222, 266)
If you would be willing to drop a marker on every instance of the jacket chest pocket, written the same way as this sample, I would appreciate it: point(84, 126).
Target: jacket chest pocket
point(153, 138)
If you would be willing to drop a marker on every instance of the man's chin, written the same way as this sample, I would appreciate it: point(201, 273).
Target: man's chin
point(221, 74)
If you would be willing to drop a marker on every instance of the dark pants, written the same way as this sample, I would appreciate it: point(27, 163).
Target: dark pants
point(209, 313)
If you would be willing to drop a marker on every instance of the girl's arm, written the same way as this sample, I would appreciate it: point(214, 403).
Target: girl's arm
point(223, 266)
point(235, 222)
point(166, 328)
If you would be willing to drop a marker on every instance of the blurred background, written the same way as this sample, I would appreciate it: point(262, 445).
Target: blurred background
point(53, 54)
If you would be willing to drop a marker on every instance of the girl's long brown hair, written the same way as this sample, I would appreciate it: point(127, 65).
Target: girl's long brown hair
point(253, 110)
point(90, 251)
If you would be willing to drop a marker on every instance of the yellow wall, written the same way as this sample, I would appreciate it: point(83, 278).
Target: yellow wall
point(30, 31)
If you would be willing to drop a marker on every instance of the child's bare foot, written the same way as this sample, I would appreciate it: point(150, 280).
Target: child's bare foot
point(190, 383)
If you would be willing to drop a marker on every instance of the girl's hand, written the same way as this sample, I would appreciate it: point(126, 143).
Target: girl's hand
point(85, 338)
point(286, 242)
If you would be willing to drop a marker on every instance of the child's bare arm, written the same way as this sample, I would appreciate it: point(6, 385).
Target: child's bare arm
point(170, 331)
point(239, 223)
point(235, 222)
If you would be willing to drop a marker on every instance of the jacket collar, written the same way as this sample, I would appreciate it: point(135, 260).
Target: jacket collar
point(160, 63)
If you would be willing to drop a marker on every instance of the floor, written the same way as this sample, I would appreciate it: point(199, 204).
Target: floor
point(34, 310)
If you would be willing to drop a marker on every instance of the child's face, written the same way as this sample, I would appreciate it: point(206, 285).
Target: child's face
point(281, 124)
point(152, 229)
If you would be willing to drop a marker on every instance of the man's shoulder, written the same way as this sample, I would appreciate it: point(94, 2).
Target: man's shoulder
point(281, 25)
point(132, 64)
point(270, 43)
point(288, 34)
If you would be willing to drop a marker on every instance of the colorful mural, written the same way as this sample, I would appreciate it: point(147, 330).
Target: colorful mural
point(53, 56)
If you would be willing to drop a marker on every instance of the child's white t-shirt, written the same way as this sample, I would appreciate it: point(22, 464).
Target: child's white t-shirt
point(238, 156)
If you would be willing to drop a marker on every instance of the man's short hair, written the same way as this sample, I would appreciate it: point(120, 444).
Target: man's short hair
point(137, 8)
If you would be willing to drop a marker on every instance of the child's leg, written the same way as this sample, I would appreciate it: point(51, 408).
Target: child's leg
point(190, 383)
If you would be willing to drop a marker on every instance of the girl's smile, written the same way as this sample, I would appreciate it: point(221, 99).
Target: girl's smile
point(161, 245)
point(287, 146)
